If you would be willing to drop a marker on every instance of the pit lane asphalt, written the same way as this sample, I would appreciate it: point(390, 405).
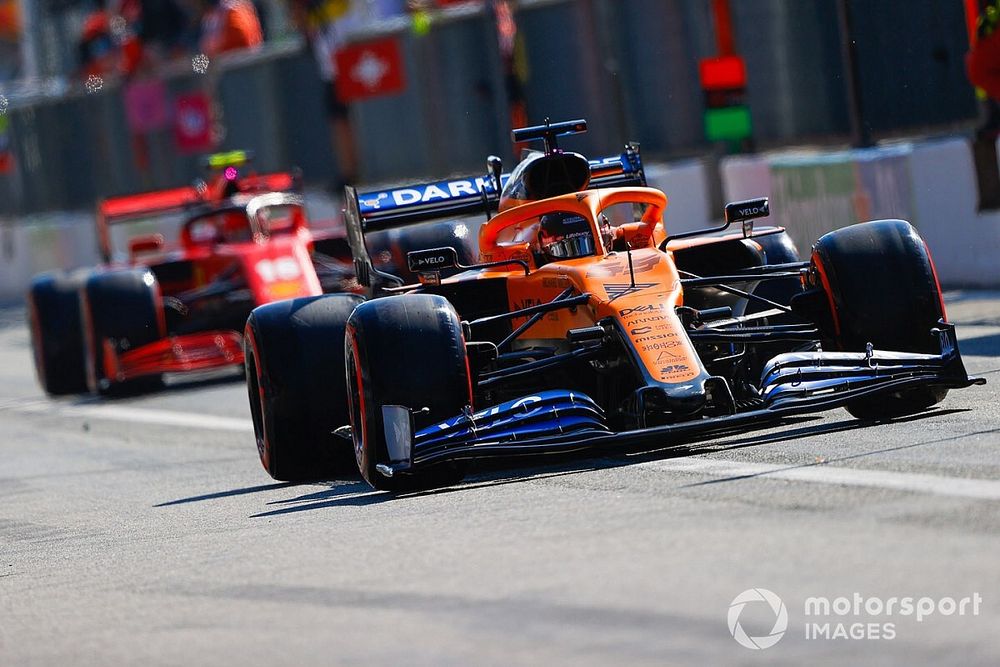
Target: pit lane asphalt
point(145, 532)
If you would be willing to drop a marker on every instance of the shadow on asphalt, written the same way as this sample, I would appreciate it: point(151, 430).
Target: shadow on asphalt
point(983, 346)
point(500, 472)
point(177, 384)
point(227, 494)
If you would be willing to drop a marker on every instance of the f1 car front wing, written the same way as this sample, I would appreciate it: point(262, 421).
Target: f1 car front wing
point(562, 421)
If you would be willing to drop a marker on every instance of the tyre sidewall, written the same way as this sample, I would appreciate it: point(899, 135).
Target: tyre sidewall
point(296, 388)
point(407, 350)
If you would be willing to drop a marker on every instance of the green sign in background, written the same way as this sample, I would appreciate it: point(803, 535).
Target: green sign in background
point(727, 123)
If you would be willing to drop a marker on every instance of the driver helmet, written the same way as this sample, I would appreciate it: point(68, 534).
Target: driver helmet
point(565, 235)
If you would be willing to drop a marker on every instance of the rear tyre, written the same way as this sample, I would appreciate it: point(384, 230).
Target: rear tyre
point(409, 351)
point(121, 310)
point(294, 362)
point(882, 288)
point(56, 333)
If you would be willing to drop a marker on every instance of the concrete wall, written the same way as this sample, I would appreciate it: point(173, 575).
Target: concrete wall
point(932, 184)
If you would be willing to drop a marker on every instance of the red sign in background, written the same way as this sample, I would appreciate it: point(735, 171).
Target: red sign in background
point(146, 108)
point(193, 123)
point(369, 69)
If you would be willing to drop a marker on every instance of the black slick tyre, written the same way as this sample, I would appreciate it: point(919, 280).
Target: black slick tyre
point(121, 310)
point(53, 303)
point(409, 351)
point(294, 362)
point(882, 289)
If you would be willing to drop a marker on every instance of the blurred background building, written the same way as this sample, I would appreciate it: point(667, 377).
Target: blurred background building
point(106, 98)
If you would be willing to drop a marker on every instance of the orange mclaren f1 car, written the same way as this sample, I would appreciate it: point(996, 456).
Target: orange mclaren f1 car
point(242, 241)
point(586, 324)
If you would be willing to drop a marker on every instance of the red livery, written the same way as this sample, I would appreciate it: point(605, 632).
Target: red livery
point(156, 308)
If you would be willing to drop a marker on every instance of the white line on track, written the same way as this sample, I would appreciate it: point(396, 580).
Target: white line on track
point(124, 413)
point(981, 489)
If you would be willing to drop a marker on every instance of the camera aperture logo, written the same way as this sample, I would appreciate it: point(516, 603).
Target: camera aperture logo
point(780, 618)
point(857, 617)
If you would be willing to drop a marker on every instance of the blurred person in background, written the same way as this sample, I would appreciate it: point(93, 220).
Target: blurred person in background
point(983, 65)
point(10, 38)
point(161, 23)
point(983, 69)
point(326, 25)
point(97, 52)
point(229, 25)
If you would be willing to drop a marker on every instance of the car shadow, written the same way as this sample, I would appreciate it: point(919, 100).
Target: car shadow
point(501, 472)
point(227, 494)
point(981, 346)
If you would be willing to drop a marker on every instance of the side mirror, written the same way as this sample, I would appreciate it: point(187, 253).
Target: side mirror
point(746, 212)
point(145, 244)
point(432, 260)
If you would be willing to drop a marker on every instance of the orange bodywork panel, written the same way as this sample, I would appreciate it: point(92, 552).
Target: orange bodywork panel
point(644, 307)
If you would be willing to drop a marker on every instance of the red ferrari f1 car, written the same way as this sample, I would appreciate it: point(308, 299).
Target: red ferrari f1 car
point(586, 323)
point(243, 240)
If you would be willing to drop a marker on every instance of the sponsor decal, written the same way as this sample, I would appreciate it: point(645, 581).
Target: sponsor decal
point(526, 303)
point(658, 345)
point(520, 256)
point(277, 270)
point(644, 308)
point(559, 282)
point(667, 356)
point(441, 191)
point(374, 202)
point(674, 370)
point(619, 266)
point(650, 319)
point(433, 259)
point(616, 290)
point(659, 336)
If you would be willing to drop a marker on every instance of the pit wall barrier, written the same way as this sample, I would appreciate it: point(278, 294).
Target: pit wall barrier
point(37, 243)
point(62, 239)
point(932, 184)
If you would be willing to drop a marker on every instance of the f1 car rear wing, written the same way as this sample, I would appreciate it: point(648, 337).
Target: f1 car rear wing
point(161, 203)
point(396, 207)
point(130, 208)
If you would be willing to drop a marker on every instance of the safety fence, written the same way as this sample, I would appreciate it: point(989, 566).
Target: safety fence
point(630, 67)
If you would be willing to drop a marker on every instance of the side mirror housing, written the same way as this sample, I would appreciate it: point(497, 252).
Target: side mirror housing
point(432, 260)
point(746, 212)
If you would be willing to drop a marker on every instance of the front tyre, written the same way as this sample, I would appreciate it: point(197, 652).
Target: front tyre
point(881, 288)
point(57, 333)
point(405, 350)
point(121, 310)
point(294, 362)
